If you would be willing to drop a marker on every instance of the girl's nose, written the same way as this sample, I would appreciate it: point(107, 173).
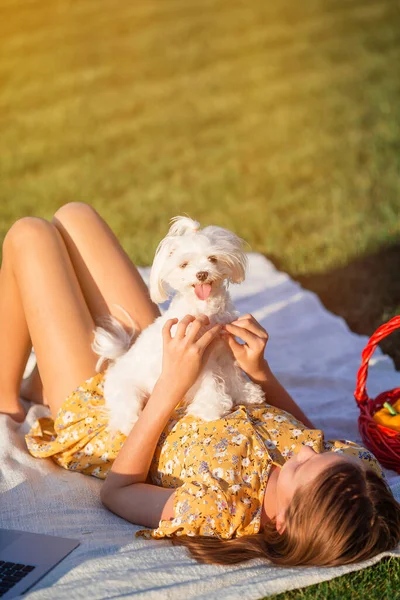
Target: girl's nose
point(306, 451)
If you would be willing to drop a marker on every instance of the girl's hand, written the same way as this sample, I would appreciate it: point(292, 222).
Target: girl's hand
point(249, 355)
point(185, 354)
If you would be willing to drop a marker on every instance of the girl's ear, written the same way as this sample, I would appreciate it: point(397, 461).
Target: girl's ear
point(280, 523)
point(158, 292)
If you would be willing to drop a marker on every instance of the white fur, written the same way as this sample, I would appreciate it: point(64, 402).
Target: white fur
point(133, 371)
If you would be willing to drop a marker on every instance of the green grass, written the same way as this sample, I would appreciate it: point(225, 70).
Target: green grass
point(380, 582)
point(279, 119)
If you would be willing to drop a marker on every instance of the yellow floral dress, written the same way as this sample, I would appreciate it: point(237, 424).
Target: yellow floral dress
point(219, 469)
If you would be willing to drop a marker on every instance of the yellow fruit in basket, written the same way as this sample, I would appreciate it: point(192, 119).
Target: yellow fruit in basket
point(389, 415)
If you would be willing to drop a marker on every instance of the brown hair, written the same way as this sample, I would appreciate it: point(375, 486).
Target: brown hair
point(347, 514)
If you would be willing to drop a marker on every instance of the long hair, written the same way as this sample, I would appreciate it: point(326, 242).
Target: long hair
point(346, 514)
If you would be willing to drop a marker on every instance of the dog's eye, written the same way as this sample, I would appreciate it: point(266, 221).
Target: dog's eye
point(183, 265)
point(212, 259)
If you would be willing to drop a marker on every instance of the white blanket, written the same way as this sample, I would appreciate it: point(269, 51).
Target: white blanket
point(314, 355)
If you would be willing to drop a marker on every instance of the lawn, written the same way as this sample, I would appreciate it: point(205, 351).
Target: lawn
point(280, 120)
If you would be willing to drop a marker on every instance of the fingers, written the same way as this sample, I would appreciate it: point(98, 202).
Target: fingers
point(183, 323)
point(208, 337)
point(233, 344)
point(195, 327)
point(242, 333)
point(196, 324)
point(166, 330)
point(250, 323)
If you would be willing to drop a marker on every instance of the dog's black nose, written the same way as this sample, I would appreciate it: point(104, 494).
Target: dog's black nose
point(202, 275)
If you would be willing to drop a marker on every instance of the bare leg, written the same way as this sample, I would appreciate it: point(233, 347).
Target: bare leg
point(16, 344)
point(41, 301)
point(32, 388)
point(105, 273)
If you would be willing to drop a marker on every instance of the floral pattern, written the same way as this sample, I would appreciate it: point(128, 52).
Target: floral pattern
point(219, 469)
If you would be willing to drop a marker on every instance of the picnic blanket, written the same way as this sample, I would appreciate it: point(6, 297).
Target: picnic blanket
point(314, 355)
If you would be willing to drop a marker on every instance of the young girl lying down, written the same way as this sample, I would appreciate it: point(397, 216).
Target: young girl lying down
point(260, 482)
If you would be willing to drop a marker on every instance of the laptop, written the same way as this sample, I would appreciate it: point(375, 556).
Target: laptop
point(26, 557)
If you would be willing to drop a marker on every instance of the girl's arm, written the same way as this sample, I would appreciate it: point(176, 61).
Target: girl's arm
point(277, 395)
point(250, 357)
point(125, 491)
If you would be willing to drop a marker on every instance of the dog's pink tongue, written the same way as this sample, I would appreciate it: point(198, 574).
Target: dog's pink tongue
point(202, 290)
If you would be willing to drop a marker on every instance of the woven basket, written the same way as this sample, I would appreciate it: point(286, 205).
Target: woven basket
point(382, 441)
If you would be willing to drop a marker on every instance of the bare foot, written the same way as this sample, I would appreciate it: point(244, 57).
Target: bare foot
point(17, 413)
point(18, 416)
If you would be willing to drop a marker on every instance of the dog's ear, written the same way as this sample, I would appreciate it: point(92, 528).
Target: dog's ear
point(183, 226)
point(230, 249)
point(158, 292)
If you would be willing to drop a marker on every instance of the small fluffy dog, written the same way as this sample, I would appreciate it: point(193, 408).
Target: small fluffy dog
point(198, 266)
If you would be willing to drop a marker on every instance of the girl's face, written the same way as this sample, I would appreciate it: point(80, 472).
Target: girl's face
point(300, 470)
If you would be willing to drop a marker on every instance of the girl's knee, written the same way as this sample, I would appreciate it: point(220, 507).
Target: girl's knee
point(74, 213)
point(24, 232)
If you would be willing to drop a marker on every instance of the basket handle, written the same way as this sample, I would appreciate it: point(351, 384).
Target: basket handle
point(383, 331)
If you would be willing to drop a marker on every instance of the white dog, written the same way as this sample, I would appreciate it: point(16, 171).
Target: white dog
point(198, 265)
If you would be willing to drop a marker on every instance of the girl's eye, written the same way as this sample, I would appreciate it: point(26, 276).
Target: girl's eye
point(183, 265)
point(212, 259)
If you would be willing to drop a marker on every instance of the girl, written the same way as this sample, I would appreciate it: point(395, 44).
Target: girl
point(260, 482)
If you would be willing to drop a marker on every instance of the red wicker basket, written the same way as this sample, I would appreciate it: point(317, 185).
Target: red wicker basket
point(382, 441)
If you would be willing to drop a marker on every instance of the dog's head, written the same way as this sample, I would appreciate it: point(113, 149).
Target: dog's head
point(196, 261)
